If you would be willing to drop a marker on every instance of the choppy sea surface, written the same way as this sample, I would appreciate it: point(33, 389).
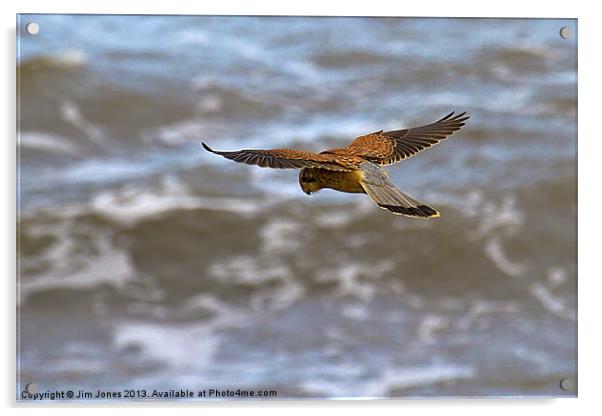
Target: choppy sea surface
point(146, 262)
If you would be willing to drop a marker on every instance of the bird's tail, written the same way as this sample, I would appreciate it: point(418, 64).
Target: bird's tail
point(377, 185)
point(390, 198)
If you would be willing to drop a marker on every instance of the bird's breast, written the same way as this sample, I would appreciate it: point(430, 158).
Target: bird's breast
point(342, 181)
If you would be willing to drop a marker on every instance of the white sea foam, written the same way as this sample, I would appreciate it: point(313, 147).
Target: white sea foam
point(335, 219)
point(209, 103)
point(281, 236)
point(430, 326)
point(471, 203)
point(225, 314)
point(247, 269)
point(503, 216)
point(74, 363)
point(495, 251)
point(187, 347)
point(557, 276)
point(355, 311)
point(480, 308)
point(331, 382)
point(68, 266)
point(348, 278)
point(497, 221)
point(132, 203)
point(281, 297)
point(71, 58)
point(48, 142)
point(391, 379)
point(404, 378)
point(135, 202)
point(71, 113)
point(185, 132)
point(550, 302)
point(98, 171)
point(539, 358)
point(255, 270)
point(356, 206)
point(68, 58)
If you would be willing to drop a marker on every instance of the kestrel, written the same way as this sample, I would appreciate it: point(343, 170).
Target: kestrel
point(357, 167)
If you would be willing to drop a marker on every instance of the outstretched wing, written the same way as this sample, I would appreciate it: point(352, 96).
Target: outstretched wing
point(385, 148)
point(285, 159)
point(379, 188)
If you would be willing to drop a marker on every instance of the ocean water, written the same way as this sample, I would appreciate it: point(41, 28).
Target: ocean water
point(147, 263)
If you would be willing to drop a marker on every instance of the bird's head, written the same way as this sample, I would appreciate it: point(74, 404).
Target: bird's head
point(308, 181)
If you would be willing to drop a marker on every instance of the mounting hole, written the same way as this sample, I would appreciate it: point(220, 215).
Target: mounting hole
point(566, 384)
point(32, 28)
point(565, 32)
point(31, 388)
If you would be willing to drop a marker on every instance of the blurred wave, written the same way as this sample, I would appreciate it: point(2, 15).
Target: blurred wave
point(145, 261)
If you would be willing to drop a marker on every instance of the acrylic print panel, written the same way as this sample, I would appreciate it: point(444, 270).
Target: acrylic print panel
point(152, 269)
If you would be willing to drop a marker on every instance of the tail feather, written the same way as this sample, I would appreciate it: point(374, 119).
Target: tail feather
point(387, 196)
point(390, 198)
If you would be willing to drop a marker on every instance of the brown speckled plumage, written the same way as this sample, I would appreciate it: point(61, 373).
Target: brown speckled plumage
point(385, 148)
point(355, 168)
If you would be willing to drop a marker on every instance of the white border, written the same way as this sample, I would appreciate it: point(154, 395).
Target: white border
point(589, 189)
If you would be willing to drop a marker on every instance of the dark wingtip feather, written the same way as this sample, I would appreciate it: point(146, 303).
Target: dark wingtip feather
point(446, 117)
point(207, 148)
point(458, 120)
point(462, 117)
point(453, 116)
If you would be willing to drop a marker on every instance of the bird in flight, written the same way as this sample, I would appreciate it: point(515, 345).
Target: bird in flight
point(357, 167)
